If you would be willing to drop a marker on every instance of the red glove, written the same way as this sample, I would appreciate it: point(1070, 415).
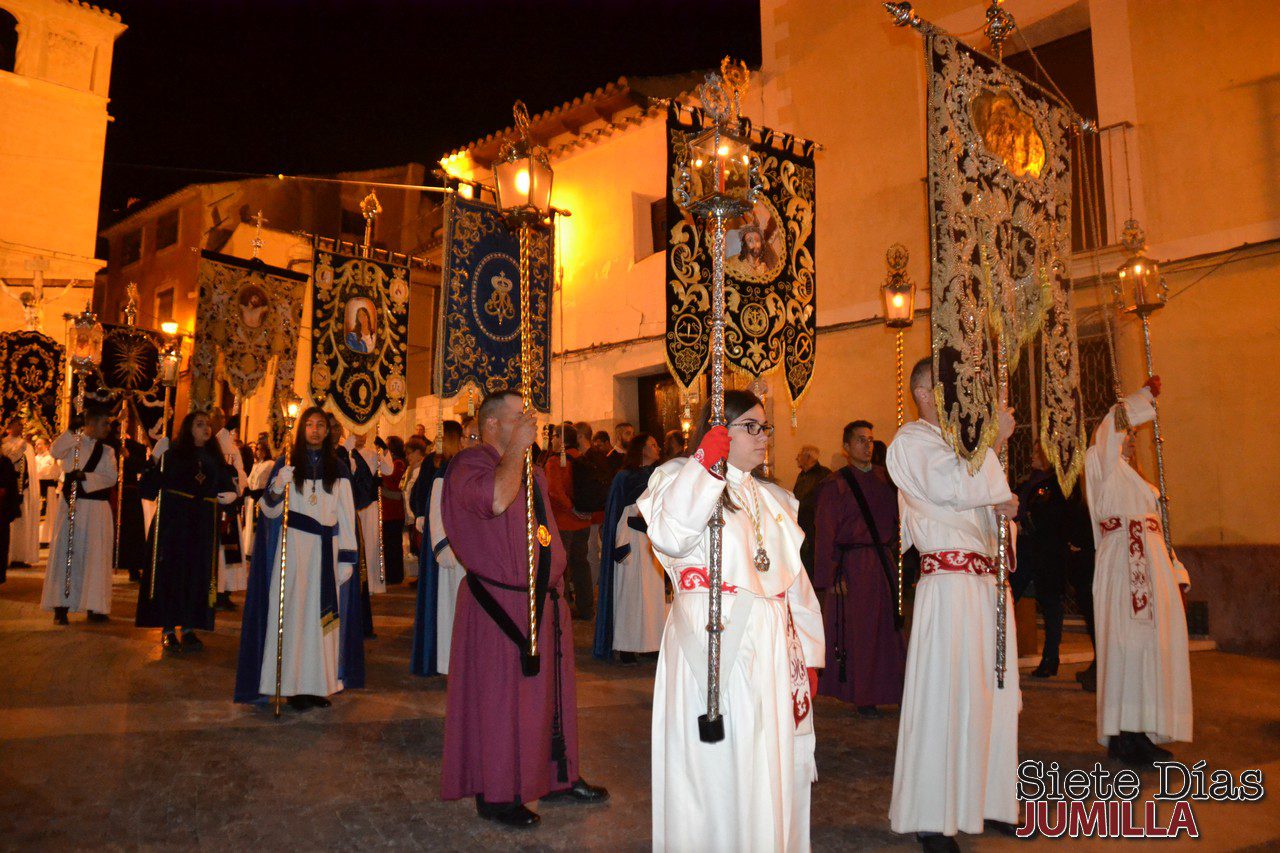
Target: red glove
point(713, 448)
point(813, 682)
point(1154, 384)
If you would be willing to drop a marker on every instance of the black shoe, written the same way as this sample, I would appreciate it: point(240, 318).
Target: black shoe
point(369, 635)
point(1088, 678)
point(580, 792)
point(318, 701)
point(1125, 747)
point(18, 564)
point(169, 645)
point(1007, 829)
point(60, 616)
point(97, 617)
point(627, 658)
point(299, 703)
point(1153, 752)
point(190, 642)
point(224, 602)
point(935, 843)
point(507, 814)
point(1045, 670)
point(869, 712)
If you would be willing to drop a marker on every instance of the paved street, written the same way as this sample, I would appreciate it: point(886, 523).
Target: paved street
point(106, 744)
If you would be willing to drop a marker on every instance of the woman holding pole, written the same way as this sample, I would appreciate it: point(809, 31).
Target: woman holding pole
point(749, 791)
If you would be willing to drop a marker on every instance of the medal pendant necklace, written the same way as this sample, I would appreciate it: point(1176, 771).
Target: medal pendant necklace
point(757, 519)
point(311, 469)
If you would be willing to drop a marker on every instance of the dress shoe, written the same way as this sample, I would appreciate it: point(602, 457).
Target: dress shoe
point(935, 843)
point(60, 616)
point(98, 617)
point(869, 712)
point(299, 703)
point(627, 658)
point(1126, 747)
point(190, 642)
point(169, 644)
point(1088, 678)
point(1153, 752)
point(318, 701)
point(224, 602)
point(507, 814)
point(580, 792)
point(998, 826)
point(1045, 670)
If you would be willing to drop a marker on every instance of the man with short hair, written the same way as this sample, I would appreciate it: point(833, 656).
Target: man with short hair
point(575, 526)
point(90, 466)
point(812, 474)
point(622, 435)
point(511, 721)
point(856, 523)
point(957, 758)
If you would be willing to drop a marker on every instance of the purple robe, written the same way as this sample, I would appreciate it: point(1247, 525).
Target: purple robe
point(499, 723)
point(860, 622)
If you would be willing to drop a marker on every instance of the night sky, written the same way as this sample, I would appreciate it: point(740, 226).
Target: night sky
point(200, 87)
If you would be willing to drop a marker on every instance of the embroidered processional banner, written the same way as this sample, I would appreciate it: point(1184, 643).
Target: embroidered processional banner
point(999, 156)
point(129, 375)
point(771, 317)
point(31, 377)
point(482, 303)
point(246, 324)
point(359, 337)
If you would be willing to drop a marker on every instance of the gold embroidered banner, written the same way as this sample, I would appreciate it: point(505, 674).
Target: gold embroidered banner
point(247, 319)
point(359, 337)
point(1000, 211)
point(770, 281)
point(31, 376)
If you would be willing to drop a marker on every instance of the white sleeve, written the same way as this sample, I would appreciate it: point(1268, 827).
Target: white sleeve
point(346, 529)
point(806, 613)
point(436, 525)
point(934, 474)
point(677, 505)
point(104, 475)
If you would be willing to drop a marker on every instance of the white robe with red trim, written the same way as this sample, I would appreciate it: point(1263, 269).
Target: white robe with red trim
point(957, 759)
point(750, 791)
point(1144, 666)
point(93, 536)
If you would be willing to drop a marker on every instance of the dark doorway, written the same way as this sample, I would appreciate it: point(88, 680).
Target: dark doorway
point(659, 398)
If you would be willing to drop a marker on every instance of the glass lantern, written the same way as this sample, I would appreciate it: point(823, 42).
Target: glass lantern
point(898, 290)
point(85, 341)
point(1140, 288)
point(719, 171)
point(522, 174)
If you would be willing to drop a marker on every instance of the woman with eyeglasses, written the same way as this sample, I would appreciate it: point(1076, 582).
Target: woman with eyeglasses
point(751, 790)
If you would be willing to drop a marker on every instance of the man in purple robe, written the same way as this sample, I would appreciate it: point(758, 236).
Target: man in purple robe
point(857, 524)
point(511, 722)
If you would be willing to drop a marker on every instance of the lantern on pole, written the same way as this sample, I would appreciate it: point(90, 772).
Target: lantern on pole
point(84, 348)
point(291, 406)
point(899, 293)
point(720, 179)
point(522, 176)
point(1141, 290)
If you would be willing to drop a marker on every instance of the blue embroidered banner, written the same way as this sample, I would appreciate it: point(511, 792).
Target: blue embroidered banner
point(482, 303)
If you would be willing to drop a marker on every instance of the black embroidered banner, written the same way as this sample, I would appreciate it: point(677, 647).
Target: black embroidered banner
point(359, 337)
point(31, 377)
point(1000, 207)
point(482, 303)
point(130, 374)
point(248, 318)
point(770, 282)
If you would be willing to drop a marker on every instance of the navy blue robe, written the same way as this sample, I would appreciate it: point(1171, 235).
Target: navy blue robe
point(423, 661)
point(627, 487)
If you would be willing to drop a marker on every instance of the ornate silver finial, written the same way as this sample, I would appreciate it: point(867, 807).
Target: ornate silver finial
point(259, 220)
point(903, 14)
point(1000, 25)
point(131, 306)
point(1132, 237)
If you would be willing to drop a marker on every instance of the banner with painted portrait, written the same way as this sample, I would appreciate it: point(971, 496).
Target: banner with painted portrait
point(999, 154)
point(246, 324)
point(129, 375)
point(359, 337)
point(31, 377)
point(482, 303)
point(770, 278)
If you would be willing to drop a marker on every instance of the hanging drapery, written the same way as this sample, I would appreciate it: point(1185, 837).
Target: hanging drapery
point(31, 376)
point(770, 280)
point(129, 374)
point(1000, 215)
point(359, 337)
point(247, 320)
point(482, 303)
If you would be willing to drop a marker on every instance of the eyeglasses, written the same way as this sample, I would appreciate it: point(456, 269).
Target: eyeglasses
point(755, 427)
point(472, 436)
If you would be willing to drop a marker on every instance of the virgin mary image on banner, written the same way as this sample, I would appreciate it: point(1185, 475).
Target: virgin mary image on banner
point(361, 330)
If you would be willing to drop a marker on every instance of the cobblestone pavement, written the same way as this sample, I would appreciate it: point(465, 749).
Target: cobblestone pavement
point(103, 743)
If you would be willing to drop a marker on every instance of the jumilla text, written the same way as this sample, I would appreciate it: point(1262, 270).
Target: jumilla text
point(1098, 803)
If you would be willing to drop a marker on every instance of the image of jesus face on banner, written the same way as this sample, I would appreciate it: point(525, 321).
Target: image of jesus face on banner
point(755, 246)
point(360, 325)
point(253, 304)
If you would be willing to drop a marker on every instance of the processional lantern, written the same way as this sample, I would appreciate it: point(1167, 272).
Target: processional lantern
point(1140, 288)
point(86, 341)
point(522, 177)
point(171, 354)
point(719, 180)
point(899, 293)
